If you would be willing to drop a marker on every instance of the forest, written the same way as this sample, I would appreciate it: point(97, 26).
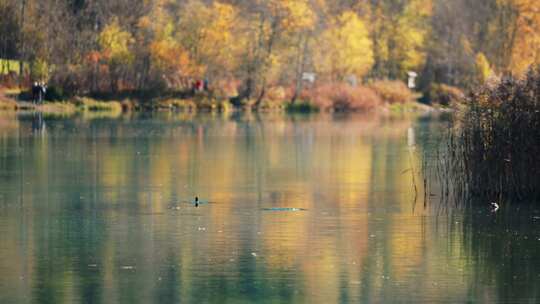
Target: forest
point(244, 48)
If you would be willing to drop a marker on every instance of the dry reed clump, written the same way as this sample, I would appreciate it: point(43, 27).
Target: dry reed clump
point(493, 154)
point(343, 97)
point(392, 91)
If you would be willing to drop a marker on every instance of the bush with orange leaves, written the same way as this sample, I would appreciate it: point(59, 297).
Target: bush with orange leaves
point(392, 91)
point(342, 97)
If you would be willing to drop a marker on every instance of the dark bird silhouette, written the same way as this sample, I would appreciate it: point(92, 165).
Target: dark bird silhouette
point(196, 201)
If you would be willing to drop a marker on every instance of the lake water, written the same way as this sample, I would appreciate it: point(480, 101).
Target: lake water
point(294, 209)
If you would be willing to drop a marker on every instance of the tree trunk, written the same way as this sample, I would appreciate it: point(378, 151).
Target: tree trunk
point(22, 50)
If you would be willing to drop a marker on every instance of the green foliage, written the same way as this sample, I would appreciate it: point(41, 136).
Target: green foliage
point(55, 93)
point(301, 107)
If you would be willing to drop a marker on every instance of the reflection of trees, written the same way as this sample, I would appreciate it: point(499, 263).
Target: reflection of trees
point(504, 248)
point(107, 185)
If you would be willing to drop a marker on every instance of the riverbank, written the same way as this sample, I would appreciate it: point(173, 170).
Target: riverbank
point(68, 108)
point(342, 100)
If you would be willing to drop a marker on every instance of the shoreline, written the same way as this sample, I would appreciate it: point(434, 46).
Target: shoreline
point(88, 105)
point(79, 105)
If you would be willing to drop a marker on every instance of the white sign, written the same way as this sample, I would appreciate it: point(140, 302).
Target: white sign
point(310, 77)
point(412, 77)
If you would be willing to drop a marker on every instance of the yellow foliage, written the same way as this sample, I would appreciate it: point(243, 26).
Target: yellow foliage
point(526, 49)
point(400, 39)
point(294, 14)
point(168, 55)
point(207, 32)
point(344, 48)
point(483, 69)
point(115, 43)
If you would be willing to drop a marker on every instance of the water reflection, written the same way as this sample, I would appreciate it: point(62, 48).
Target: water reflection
point(504, 249)
point(85, 214)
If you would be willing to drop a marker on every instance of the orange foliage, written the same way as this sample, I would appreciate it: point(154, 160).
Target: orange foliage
point(392, 91)
point(339, 96)
point(170, 56)
point(93, 57)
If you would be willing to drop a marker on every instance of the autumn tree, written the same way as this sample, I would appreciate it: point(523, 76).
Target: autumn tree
point(9, 30)
point(520, 20)
point(275, 32)
point(115, 46)
point(148, 44)
point(398, 31)
point(344, 48)
point(207, 32)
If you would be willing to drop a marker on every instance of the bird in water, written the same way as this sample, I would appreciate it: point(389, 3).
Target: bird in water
point(494, 207)
point(196, 201)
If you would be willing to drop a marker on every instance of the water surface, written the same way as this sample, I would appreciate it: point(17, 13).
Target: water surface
point(295, 209)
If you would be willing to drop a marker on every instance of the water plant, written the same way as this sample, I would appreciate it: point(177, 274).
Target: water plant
point(492, 154)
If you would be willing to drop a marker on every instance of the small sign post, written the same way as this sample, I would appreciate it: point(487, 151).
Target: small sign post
point(411, 83)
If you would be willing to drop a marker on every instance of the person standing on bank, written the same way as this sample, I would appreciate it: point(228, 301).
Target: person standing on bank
point(42, 92)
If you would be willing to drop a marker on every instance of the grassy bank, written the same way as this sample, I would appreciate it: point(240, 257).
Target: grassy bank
point(492, 154)
point(386, 96)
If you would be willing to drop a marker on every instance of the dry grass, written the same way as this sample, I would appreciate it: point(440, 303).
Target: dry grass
point(88, 104)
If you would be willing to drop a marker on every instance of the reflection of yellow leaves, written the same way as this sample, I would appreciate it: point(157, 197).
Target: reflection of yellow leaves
point(114, 164)
point(284, 237)
point(322, 276)
point(406, 241)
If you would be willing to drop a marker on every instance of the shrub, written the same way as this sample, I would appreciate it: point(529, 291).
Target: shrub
point(301, 107)
point(392, 91)
point(275, 98)
point(55, 93)
point(444, 95)
point(341, 97)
